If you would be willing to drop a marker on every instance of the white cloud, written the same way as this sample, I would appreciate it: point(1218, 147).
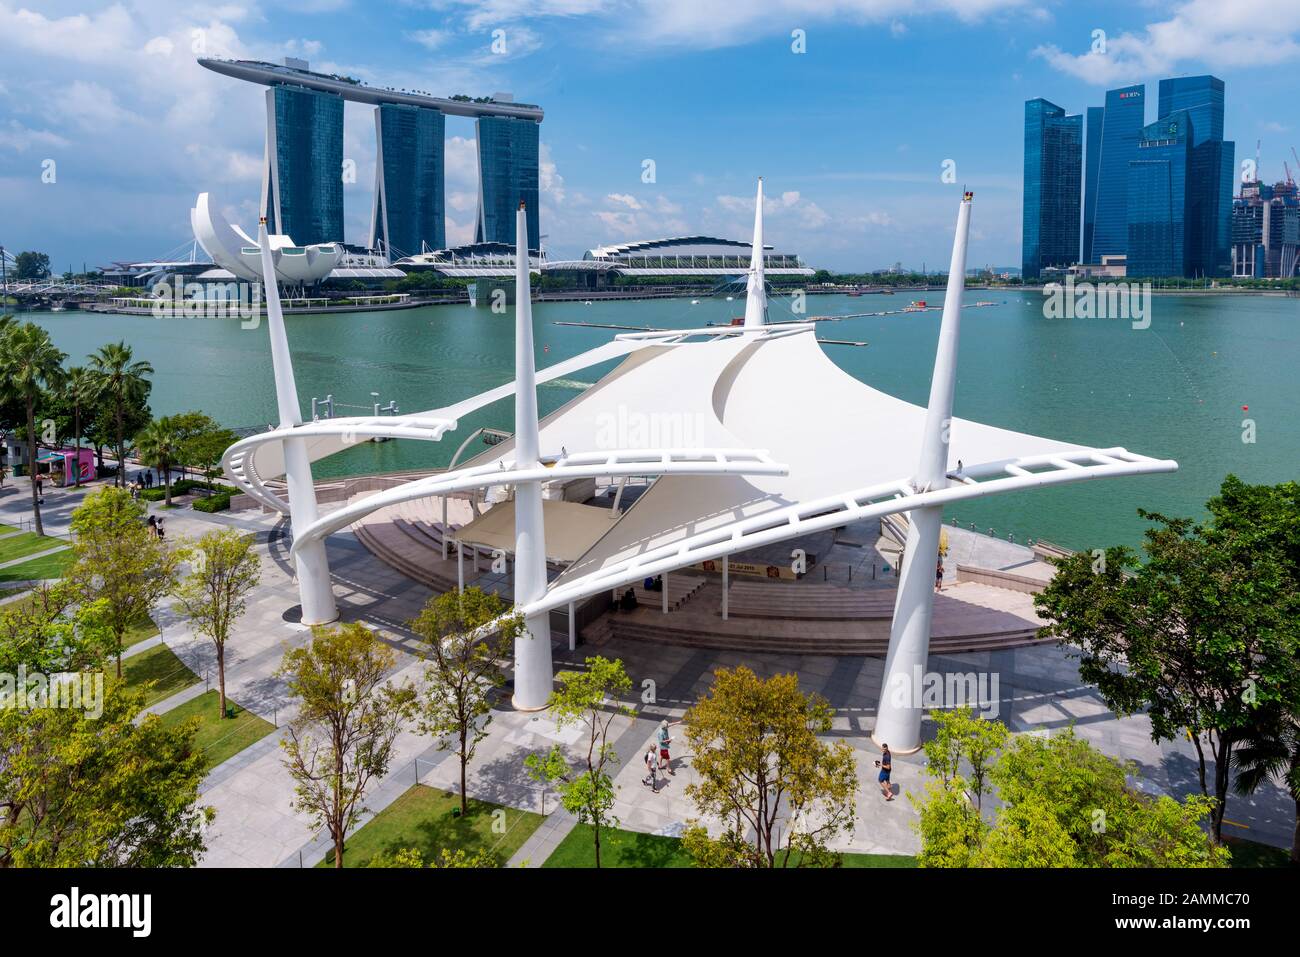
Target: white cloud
point(429, 39)
point(624, 199)
point(1241, 33)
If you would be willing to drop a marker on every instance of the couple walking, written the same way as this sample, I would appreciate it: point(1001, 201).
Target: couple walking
point(657, 757)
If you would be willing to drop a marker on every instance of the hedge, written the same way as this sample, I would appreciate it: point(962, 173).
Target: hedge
point(214, 503)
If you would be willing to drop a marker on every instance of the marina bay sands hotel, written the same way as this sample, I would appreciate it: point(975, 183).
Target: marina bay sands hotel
point(302, 182)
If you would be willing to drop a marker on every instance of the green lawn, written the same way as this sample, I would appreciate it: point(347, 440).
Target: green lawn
point(142, 629)
point(620, 848)
point(26, 543)
point(161, 666)
point(51, 566)
point(219, 739)
point(422, 818)
point(1250, 854)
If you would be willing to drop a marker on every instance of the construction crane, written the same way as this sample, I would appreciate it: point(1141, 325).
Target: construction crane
point(1297, 164)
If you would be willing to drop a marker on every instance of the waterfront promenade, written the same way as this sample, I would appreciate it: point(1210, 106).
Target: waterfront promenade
point(1038, 691)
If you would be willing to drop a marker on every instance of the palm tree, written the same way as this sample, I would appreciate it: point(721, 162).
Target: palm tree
point(82, 387)
point(1272, 750)
point(29, 362)
point(160, 446)
point(123, 381)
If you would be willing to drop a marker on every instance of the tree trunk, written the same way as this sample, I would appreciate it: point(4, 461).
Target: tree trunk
point(596, 833)
point(464, 762)
point(221, 676)
point(167, 480)
point(1222, 755)
point(76, 427)
point(121, 450)
point(117, 636)
point(31, 466)
point(338, 850)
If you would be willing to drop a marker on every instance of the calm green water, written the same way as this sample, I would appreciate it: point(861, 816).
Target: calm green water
point(1173, 390)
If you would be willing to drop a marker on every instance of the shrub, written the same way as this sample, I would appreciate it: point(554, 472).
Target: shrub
point(217, 502)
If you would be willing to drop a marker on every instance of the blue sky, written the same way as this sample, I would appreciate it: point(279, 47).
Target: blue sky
point(851, 135)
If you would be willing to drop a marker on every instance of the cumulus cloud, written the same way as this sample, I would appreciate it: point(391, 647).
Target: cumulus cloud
point(1241, 33)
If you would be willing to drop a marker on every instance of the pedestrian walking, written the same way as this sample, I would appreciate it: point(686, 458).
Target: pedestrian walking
point(40, 489)
point(886, 765)
point(161, 531)
point(152, 522)
point(938, 575)
point(651, 759)
point(663, 740)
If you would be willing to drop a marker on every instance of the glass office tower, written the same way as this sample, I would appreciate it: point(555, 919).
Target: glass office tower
point(1157, 208)
point(1120, 132)
point(1211, 178)
point(302, 194)
point(1091, 170)
point(508, 173)
point(410, 180)
point(1053, 171)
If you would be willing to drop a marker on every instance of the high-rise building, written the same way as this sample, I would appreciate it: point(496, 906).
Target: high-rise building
point(302, 187)
point(302, 191)
point(1121, 131)
point(1157, 209)
point(409, 180)
point(1053, 174)
point(508, 175)
point(1210, 182)
point(1266, 231)
point(1091, 170)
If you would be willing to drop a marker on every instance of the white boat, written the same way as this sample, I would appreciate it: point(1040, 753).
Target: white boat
point(695, 302)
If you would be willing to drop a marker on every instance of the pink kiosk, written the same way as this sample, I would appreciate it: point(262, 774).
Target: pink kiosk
point(69, 462)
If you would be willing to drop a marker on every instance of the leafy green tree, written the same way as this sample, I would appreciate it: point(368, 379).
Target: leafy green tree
point(584, 698)
point(31, 265)
point(961, 735)
point(225, 570)
point(120, 789)
point(757, 757)
point(51, 630)
point(1063, 804)
point(1272, 751)
point(125, 383)
point(463, 676)
point(161, 446)
point(119, 563)
point(29, 362)
point(1199, 637)
point(348, 718)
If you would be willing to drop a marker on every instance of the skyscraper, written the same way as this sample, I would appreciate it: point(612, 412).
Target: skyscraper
point(409, 180)
point(1211, 177)
point(1121, 130)
point(302, 188)
point(1053, 171)
point(508, 174)
point(1091, 170)
point(1157, 208)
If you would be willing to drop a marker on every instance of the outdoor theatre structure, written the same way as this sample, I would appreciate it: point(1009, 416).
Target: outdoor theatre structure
point(765, 471)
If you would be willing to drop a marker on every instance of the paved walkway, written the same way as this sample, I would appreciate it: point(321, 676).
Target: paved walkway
point(1032, 689)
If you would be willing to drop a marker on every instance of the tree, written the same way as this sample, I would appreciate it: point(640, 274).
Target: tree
point(31, 265)
point(225, 571)
point(125, 383)
point(117, 789)
point(161, 446)
point(757, 757)
point(1272, 750)
point(81, 388)
point(29, 362)
point(348, 718)
point(583, 698)
point(463, 676)
point(409, 857)
point(960, 735)
point(1201, 636)
point(1063, 804)
point(52, 631)
point(119, 562)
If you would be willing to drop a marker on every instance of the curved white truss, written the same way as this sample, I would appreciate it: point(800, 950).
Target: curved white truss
point(853, 506)
point(571, 466)
point(238, 460)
